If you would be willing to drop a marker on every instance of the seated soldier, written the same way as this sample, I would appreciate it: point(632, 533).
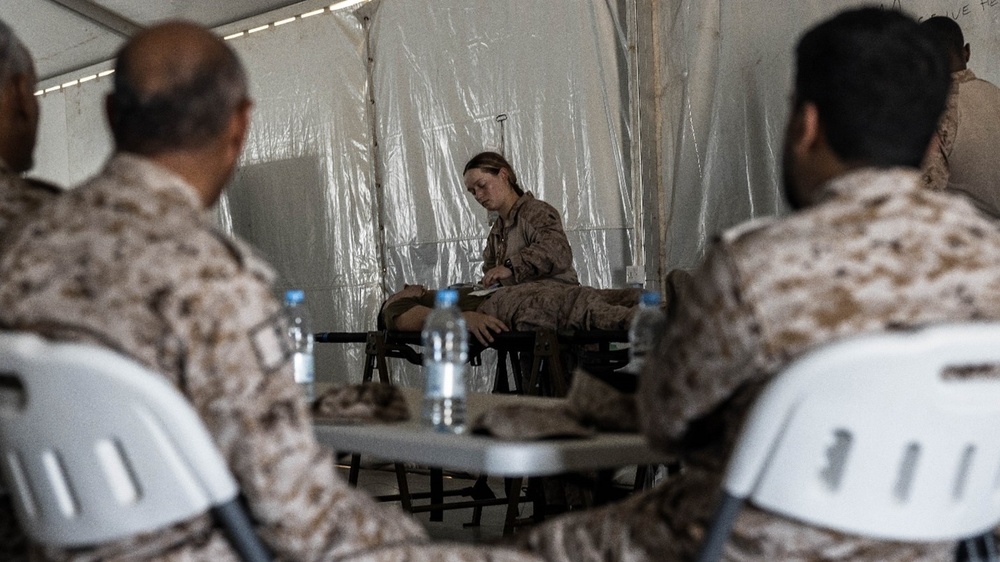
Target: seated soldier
point(867, 249)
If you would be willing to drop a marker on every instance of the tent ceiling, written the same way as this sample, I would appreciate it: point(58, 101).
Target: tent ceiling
point(65, 35)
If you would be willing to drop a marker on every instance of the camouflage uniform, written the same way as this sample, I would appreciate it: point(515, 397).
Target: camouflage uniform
point(18, 197)
point(879, 252)
point(130, 261)
point(963, 158)
point(539, 305)
point(534, 241)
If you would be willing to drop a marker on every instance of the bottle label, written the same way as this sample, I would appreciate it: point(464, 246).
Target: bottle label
point(444, 380)
point(304, 367)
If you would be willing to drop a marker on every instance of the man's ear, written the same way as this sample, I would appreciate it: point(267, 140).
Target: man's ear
point(239, 126)
point(966, 53)
point(807, 130)
point(25, 92)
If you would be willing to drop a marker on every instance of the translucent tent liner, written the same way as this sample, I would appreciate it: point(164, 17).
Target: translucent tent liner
point(723, 85)
point(340, 148)
point(314, 191)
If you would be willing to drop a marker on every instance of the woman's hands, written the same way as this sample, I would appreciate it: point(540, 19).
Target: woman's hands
point(483, 326)
point(496, 275)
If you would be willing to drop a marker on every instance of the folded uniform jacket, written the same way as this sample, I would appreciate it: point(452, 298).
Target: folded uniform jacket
point(596, 403)
point(366, 402)
point(517, 422)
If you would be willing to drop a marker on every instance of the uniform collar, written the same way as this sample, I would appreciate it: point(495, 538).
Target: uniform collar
point(135, 170)
point(872, 182)
point(519, 203)
point(962, 76)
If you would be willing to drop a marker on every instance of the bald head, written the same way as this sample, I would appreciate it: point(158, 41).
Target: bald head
point(176, 87)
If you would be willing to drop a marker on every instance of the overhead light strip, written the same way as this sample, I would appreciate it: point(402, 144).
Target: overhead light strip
point(336, 6)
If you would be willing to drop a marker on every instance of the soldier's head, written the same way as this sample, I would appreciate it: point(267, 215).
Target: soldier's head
point(949, 36)
point(870, 86)
point(18, 106)
point(180, 98)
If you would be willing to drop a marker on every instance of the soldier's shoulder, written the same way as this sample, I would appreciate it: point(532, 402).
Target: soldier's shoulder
point(745, 230)
point(246, 257)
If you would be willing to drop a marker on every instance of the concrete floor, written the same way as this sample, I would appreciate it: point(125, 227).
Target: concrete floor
point(380, 479)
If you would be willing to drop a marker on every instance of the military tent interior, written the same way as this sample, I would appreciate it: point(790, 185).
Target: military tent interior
point(652, 125)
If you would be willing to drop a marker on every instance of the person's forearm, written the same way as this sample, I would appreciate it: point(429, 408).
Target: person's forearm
point(412, 320)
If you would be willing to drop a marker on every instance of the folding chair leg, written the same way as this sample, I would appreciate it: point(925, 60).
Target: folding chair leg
point(722, 524)
point(233, 519)
point(355, 470)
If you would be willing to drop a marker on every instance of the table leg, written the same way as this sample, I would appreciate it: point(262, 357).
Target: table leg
point(437, 493)
point(404, 487)
point(352, 475)
point(513, 502)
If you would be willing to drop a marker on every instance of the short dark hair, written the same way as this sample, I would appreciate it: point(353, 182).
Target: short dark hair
point(947, 32)
point(493, 162)
point(187, 114)
point(879, 83)
point(14, 57)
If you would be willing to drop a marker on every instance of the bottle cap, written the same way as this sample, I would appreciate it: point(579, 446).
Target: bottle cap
point(445, 297)
point(650, 298)
point(294, 296)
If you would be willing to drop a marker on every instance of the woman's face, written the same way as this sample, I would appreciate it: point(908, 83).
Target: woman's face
point(491, 191)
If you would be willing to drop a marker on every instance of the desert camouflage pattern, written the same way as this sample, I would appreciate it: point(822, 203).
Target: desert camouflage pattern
point(19, 196)
point(533, 240)
point(880, 252)
point(538, 305)
point(962, 159)
point(554, 305)
point(441, 553)
point(130, 261)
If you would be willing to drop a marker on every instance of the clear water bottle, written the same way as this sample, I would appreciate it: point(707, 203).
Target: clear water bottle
point(446, 347)
point(647, 327)
point(300, 338)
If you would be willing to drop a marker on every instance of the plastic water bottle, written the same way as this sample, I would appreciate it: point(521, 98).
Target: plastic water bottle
point(300, 337)
point(647, 327)
point(446, 348)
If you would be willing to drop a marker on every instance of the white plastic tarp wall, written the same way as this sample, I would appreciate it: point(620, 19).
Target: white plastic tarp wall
point(442, 73)
point(306, 191)
point(725, 77)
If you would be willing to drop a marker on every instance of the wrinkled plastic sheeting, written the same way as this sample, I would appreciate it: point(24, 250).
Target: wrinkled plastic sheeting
point(305, 193)
point(302, 194)
point(442, 72)
point(726, 72)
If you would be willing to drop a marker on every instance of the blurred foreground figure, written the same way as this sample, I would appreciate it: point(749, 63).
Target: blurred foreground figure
point(868, 249)
point(18, 130)
point(130, 261)
point(963, 158)
point(18, 196)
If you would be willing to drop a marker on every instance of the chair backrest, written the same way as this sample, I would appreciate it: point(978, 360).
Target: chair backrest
point(95, 448)
point(891, 436)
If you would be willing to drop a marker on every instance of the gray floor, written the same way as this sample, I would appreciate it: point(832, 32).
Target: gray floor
point(380, 479)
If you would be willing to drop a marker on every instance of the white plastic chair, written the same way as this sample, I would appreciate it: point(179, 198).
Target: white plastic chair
point(876, 436)
point(97, 448)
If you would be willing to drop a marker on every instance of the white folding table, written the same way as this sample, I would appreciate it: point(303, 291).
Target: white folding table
point(411, 442)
